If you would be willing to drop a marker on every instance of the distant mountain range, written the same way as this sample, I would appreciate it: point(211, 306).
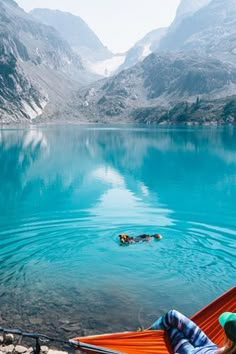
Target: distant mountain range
point(95, 56)
point(76, 32)
point(186, 73)
point(190, 77)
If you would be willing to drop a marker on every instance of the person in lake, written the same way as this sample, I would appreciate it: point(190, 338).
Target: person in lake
point(187, 338)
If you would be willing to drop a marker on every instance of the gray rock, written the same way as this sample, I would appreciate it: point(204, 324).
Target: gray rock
point(20, 349)
point(44, 349)
point(8, 338)
point(51, 351)
point(35, 320)
point(8, 349)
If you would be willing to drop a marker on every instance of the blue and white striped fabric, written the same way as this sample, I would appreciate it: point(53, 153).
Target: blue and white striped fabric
point(185, 336)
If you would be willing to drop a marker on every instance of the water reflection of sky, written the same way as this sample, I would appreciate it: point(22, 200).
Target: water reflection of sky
point(118, 202)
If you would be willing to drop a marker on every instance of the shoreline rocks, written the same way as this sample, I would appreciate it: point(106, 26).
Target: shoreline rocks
point(10, 345)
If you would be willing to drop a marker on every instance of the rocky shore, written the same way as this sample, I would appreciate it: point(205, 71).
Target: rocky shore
point(9, 344)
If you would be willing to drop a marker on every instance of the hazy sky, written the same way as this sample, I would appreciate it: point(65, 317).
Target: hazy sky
point(118, 23)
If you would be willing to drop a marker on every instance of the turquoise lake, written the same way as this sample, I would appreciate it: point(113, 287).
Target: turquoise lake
point(66, 192)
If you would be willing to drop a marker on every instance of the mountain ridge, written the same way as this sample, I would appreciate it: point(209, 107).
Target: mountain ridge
point(210, 30)
point(145, 46)
point(75, 31)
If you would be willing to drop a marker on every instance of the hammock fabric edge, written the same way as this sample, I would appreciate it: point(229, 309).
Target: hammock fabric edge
point(150, 342)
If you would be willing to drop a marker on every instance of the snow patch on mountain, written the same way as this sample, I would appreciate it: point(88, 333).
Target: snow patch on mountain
point(146, 50)
point(106, 67)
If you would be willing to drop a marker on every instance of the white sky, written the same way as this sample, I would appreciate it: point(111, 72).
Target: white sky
point(118, 23)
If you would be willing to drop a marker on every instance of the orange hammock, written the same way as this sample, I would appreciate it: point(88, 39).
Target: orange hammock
point(153, 341)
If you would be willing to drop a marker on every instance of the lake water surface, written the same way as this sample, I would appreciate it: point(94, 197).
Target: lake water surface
point(67, 192)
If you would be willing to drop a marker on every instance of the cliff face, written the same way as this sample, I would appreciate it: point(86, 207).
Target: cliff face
point(32, 41)
point(38, 68)
point(20, 99)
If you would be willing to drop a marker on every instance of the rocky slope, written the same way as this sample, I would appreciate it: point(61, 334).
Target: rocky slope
point(144, 47)
point(20, 99)
point(187, 8)
point(38, 68)
point(31, 41)
point(159, 83)
point(210, 30)
point(76, 32)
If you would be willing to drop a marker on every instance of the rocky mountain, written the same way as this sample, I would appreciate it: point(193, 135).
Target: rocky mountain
point(144, 47)
point(34, 42)
point(210, 30)
point(76, 32)
point(20, 99)
point(39, 69)
point(158, 84)
point(189, 76)
point(188, 8)
point(151, 42)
